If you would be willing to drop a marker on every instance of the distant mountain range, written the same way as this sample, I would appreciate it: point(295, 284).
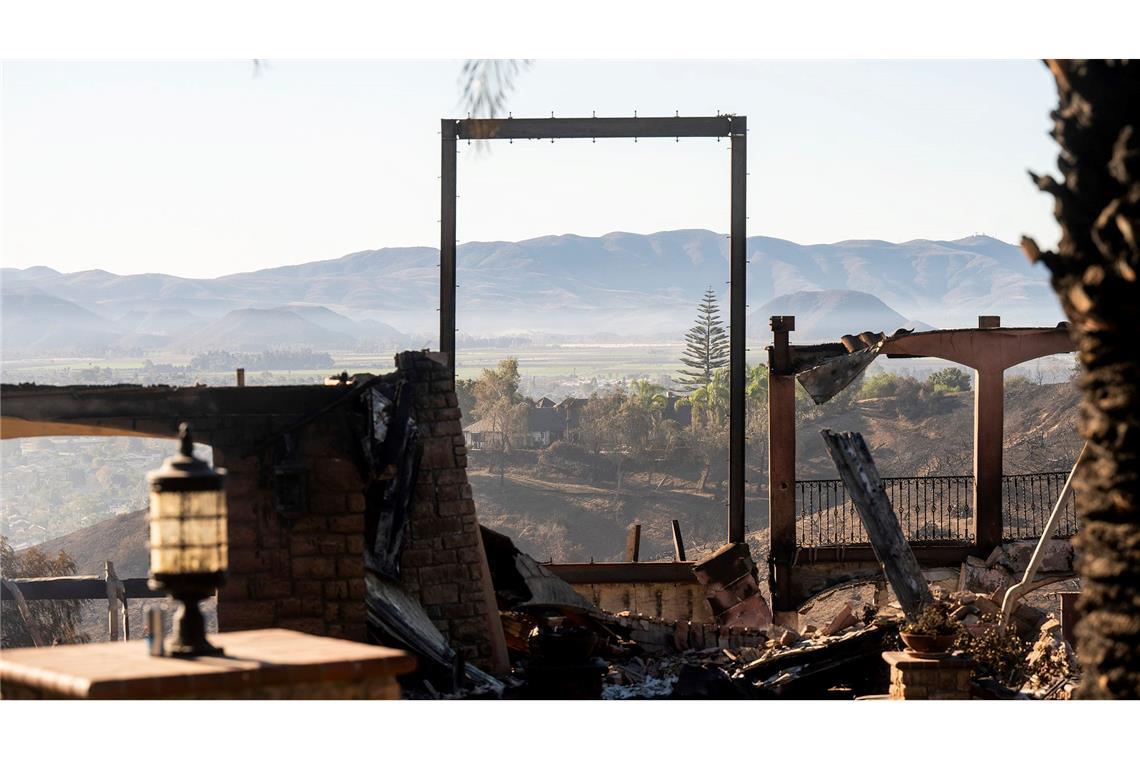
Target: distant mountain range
point(621, 283)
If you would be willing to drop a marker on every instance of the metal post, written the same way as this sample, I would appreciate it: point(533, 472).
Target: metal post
point(678, 542)
point(447, 240)
point(781, 463)
point(738, 261)
point(633, 543)
point(989, 389)
point(989, 413)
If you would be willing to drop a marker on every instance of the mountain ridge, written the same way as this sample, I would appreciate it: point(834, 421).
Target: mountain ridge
point(627, 283)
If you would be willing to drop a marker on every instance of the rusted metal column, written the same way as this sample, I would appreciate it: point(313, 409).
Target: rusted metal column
point(989, 416)
point(738, 266)
point(989, 391)
point(447, 133)
point(678, 542)
point(781, 464)
point(633, 543)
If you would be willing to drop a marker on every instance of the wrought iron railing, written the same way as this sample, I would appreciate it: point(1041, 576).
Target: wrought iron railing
point(935, 508)
point(1027, 501)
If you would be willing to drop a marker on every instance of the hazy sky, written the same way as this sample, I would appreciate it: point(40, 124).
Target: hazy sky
point(201, 169)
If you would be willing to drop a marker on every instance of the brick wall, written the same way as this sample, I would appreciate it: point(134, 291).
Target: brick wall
point(308, 574)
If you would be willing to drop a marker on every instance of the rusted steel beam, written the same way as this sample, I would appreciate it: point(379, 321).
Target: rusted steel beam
point(447, 191)
point(624, 572)
point(738, 275)
point(526, 129)
point(781, 464)
point(857, 468)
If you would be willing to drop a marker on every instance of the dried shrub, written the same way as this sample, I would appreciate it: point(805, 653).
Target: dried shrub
point(996, 654)
point(934, 620)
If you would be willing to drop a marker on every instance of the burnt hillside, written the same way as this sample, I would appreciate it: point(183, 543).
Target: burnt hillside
point(551, 517)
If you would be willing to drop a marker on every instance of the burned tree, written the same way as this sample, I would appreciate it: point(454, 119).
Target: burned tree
point(1094, 272)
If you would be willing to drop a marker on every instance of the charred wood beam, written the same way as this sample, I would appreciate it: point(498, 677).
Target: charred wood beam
point(857, 468)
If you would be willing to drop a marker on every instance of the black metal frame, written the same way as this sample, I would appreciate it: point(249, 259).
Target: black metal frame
point(732, 127)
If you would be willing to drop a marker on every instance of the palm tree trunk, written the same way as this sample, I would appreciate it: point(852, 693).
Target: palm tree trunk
point(1094, 271)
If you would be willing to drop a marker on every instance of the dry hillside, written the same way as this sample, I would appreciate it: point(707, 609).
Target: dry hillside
point(575, 521)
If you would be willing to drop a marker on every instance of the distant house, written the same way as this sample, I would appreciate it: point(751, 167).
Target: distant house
point(682, 415)
point(547, 422)
point(571, 409)
point(544, 424)
point(481, 435)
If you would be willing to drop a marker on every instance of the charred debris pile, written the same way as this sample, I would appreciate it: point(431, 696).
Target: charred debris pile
point(562, 647)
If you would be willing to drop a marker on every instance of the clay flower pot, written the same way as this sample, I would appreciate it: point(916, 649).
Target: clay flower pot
point(926, 644)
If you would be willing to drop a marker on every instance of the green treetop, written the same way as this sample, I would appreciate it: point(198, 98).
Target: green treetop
point(706, 346)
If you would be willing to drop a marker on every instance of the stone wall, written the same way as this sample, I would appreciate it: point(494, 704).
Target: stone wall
point(305, 574)
point(444, 563)
point(663, 601)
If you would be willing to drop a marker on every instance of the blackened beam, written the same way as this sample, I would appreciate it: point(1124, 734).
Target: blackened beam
point(738, 261)
point(528, 129)
point(135, 410)
point(853, 460)
point(447, 191)
point(79, 587)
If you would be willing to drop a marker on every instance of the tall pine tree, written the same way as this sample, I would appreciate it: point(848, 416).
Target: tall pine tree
point(706, 346)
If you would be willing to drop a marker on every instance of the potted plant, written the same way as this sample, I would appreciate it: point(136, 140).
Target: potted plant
point(932, 632)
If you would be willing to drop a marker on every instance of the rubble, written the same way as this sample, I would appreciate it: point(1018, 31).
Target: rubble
point(732, 586)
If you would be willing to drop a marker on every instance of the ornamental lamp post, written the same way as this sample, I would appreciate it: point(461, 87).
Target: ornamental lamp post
point(188, 546)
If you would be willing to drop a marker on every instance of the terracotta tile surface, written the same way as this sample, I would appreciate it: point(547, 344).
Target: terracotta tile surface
point(272, 657)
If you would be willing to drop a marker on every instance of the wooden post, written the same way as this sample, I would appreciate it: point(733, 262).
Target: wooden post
point(678, 543)
point(737, 315)
point(13, 589)
point(633, 543)
point(781, 464)
point(240, 377)
point(857, 468)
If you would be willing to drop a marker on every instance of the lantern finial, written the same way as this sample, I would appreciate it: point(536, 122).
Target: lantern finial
point(186, 441)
